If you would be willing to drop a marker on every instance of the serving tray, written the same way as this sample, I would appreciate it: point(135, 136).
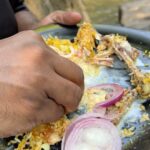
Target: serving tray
point(119, 74)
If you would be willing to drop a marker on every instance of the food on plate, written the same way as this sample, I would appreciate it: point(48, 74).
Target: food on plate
point(139, 79)
point(91, 132)
point(97, 49)
point(128, 132)
point(114, 94)
point(70, 50)
point(103, 105)
point(116, 44)
point(52, 133)
point(49, 133)
point(108, 105)
point(85, 46)
point(145, 117)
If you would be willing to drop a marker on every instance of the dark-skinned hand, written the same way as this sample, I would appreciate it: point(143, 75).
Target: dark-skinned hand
point(36, 84)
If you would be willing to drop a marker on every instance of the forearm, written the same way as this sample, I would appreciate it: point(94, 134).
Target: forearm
point(26, 20)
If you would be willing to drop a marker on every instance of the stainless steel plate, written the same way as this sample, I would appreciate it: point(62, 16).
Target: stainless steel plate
point(119, 74)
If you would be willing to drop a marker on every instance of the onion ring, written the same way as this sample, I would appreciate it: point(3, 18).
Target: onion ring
point(91, 132)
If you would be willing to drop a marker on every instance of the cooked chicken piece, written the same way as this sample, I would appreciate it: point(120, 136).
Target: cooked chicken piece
point(132, 52)
point(121, 108)
point(138, 79)
point(105, 61)
point(115, 112)
point(86, 39)
point(92, 48)
point(113, 44)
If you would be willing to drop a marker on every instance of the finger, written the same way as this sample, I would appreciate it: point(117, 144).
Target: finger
point(69, 70)
point(62, 17)
point(44, 111)
point(29, 117)
point(50, 111)
point(63, 91)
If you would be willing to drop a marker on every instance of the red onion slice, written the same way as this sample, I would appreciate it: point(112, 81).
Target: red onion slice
point(115, 93)
point(91, 132)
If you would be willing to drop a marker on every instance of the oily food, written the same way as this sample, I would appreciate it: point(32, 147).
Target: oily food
point(96, 49)
point(103, 104)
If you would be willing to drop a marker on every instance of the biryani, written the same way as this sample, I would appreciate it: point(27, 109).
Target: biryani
point(90, 50)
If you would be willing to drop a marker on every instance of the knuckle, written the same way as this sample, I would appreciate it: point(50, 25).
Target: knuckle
point(36, 53)
point(73, 97)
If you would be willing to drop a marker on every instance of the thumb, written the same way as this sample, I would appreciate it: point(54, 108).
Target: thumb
point(62, 17)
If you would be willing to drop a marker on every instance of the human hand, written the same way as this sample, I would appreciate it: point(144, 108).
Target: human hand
point(27, 21)
point(36, 84)
point(61, 17)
